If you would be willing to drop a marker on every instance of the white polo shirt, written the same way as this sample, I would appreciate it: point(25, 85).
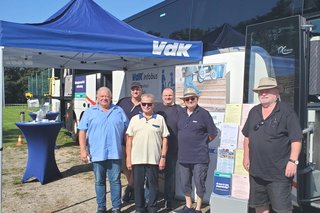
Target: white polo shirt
point(147, 138)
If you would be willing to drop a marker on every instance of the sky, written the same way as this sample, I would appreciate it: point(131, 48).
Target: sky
point(36, 11)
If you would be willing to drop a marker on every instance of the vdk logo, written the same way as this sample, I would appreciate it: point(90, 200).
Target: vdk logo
point(137, 76)
point(175, 49)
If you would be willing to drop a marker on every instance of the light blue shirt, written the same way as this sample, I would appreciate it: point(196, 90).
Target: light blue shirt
point(105, 131)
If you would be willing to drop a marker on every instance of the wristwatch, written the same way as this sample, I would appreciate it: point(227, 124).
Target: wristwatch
point(163, 156)
point(294, 161)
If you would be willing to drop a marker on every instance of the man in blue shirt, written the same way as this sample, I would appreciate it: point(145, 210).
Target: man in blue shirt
point(195, 130)
point(102, 129)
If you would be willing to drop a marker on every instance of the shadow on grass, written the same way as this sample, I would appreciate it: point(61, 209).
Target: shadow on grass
point(10, 136)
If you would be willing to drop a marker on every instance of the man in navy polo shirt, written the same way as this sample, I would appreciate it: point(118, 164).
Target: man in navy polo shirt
point(169, 110)
point(195, 130)
point(131, 106)
point(272, 145)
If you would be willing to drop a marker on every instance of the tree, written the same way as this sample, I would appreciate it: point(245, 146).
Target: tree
point(16, 83)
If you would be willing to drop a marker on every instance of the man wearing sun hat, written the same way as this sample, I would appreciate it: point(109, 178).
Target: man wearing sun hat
point(272, 146)
point(195, 130)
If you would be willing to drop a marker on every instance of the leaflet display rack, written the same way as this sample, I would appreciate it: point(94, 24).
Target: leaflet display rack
point(231, 186)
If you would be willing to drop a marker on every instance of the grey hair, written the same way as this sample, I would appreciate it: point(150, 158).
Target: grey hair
point(148, 95)
point(104, 89)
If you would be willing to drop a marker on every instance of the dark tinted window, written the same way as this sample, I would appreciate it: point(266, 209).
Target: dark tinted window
point(316, 25)
point(280, 55)
point(164, 20)
point(194, 19)
point(311, 6)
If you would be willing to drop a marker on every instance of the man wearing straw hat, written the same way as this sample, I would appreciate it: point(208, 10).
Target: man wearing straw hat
point(195, 130)
point(272, 146)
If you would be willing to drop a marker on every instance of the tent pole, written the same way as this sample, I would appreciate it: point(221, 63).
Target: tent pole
point(1, 118)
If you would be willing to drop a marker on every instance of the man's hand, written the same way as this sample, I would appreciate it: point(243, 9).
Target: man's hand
point(162, 164)
point(246, 163)
point(129, 164)
point(291, 169)
point(84, 156)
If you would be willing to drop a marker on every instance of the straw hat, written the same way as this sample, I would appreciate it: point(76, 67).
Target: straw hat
point(189, 92)
point(266, 83)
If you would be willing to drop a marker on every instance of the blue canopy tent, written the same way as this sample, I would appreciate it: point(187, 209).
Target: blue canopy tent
point(82, 35)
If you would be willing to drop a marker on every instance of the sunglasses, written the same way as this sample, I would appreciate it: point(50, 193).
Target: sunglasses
point(147, 104)
point(256, 127)
point(188, 99)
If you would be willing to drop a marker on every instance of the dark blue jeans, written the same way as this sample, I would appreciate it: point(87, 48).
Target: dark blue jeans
point(101, 169)
point(169, 178)
point(142, 172)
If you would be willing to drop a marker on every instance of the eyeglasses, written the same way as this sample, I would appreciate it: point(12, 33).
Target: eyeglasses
point(188, 99)
point(147, 104)
point(261, 123)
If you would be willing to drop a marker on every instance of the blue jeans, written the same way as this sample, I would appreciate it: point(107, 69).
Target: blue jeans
point(169, 175)
point(101, 169)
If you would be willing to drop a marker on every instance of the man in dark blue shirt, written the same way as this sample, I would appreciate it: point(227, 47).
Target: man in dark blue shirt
point(195, 130)
point(169, 110)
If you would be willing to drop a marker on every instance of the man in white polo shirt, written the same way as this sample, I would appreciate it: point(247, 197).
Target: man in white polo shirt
point(146, 150)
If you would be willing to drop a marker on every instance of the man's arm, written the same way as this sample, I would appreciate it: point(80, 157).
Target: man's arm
point(291, 168)
point(164, 150)
point(211, 137)
point(246, 161)
point(128, 152)
point(83, 146)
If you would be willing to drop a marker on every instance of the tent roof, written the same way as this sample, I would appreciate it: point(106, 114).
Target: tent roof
point(223, 37)
point(82, 35)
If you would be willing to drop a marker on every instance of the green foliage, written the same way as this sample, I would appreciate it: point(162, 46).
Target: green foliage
point(11, 115)
point(16, 83)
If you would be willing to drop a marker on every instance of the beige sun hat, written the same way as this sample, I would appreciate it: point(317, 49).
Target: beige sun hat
point(189, 92)
point(266, 83)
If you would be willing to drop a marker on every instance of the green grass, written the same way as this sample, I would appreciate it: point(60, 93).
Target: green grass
point(11, 115)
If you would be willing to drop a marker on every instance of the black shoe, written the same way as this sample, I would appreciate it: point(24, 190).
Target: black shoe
point(116, 211)
point(102, 211)
point(127, 194)
point(185, 209)
point(168, 205)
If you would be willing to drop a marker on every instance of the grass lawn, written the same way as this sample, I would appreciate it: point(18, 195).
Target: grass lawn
point(11, 115)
